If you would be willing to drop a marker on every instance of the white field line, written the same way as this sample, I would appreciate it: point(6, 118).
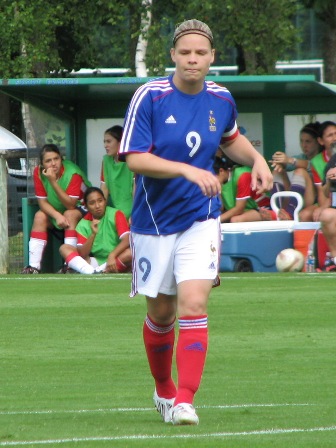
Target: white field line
point(256, 276)
point(272, 431)
point(107, 410)
point(80, 277)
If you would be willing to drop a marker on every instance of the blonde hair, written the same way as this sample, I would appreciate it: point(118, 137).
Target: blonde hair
point(192, 26)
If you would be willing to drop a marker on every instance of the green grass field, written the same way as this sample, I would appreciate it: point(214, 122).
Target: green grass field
point(73, 371)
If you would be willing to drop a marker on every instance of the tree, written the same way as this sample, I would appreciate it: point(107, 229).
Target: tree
point(260, 31)
point(325, 10)
point(262, 34)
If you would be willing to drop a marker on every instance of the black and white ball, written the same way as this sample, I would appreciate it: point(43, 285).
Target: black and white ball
point(289, 260)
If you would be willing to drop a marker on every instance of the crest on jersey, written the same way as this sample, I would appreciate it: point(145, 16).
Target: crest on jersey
point(212, 122)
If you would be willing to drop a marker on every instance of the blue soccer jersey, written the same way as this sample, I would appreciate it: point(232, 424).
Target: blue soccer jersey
point(182, 128)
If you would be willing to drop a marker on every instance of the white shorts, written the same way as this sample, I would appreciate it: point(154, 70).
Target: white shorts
point(161, 262)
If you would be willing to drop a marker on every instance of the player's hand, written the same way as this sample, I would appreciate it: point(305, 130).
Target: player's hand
point(331, 174)
point(280, 157)
point(277, 167)
point(262, 179)
point(62, 222)
point(111, 264)
point(94, 225)
point(50, 174)
point(208, 182)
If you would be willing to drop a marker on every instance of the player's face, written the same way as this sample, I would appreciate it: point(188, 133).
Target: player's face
point(328, 137)
point(309, 145)
point(111, 145)
point(52, 160)
point(192, 56)
point(96, 204)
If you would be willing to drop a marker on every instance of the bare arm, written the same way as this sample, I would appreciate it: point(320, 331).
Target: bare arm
point(242, 151)
point(104, 189)
point(238, 209)
point(49, 210)
point(68, 202)
point(152, 166)
point(111, 265)
point(84, 250)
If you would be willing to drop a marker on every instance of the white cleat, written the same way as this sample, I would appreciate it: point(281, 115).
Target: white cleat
point(164, 406)
point(184, 414)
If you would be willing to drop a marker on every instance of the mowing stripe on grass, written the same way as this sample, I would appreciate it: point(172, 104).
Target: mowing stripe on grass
point(88, 411)
point(255, 276)
point(271, 431)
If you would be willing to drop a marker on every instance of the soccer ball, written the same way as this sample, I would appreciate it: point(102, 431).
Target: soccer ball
point(289, 260)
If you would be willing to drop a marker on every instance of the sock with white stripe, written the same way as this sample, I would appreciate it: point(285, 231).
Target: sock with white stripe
point(159, 344)
point(191, 352)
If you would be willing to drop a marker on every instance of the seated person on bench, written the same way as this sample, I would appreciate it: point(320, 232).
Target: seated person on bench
point(59, 187)
point(103, 239)
point(240, 202)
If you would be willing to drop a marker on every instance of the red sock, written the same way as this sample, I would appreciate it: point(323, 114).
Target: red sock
point(159, 344)
point(191, 352)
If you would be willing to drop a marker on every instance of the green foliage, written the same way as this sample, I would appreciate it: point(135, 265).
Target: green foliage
point(27, 41)
point(42, 38)
point(264, 33)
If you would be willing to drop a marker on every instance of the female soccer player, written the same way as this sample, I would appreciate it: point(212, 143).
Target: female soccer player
point(116, 178)
point(102, 238)
point(173, 128)
point(59, 187)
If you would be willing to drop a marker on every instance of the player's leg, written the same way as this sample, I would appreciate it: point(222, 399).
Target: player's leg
point(191, 347)
point(73, 217)
point(196, 264)
point(328, 226)
point(75, 261)
point(124, 261)
point(306, 214)
point(298, 185)
point(310, 190)
point(37, 242)
point(159, 339)
point(153, 276)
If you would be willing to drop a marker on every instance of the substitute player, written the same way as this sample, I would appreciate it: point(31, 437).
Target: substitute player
point(103, 238)
point(59, 187)
point(116, 179)
point(172, 130)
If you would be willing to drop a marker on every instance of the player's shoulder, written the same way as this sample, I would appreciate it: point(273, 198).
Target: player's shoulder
point(156, 86)
point(213, 87)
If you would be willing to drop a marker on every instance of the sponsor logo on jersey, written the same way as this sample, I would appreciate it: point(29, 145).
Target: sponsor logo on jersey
point(170, 120)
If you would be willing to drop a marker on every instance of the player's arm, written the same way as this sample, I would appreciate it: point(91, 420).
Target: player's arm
point(242, 151)
point(238, 209)
point(103, 185)
point(119, 249)
point(151, 165)
point(104, 189)
point(123, 231)
point(68, 202)
point(48, 209)
point(85, 243)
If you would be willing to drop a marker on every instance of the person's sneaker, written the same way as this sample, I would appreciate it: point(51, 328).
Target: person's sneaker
point(184, 414)
point(164, 406)
point(65, 269)
point(330, 268)
point(216, 282)
point(30, 270)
